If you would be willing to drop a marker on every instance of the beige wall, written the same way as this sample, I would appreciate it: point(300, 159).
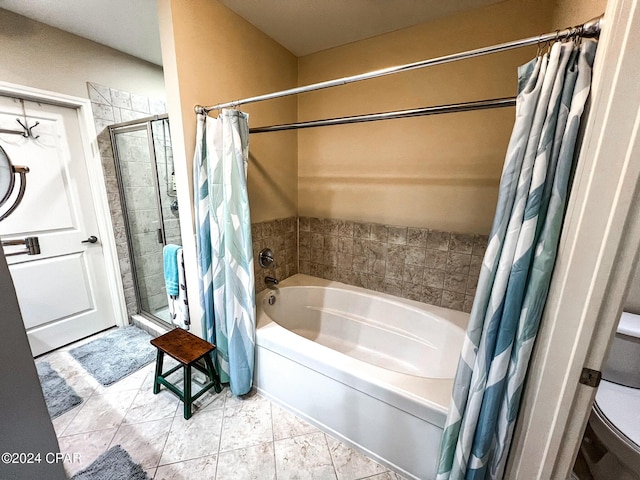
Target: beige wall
point(39, 56)
point(220, 57)
point(569, 12)
point(211, 55)
point(438, 172)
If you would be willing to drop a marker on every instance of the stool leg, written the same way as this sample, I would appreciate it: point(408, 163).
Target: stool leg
point(187, 392)
point(212, 373)
point(159, 359)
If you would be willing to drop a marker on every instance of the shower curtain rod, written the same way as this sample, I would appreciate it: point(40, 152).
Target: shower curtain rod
point(372, 117)
point(588, 29)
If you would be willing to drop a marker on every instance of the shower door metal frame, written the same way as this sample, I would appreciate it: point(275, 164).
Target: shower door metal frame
point(141, 124)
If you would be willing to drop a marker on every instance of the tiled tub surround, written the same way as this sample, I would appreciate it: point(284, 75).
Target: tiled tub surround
point(430, 266)
point(111, 106)
point(281, 237)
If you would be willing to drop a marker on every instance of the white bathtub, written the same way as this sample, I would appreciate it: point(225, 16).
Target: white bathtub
point(371, 369)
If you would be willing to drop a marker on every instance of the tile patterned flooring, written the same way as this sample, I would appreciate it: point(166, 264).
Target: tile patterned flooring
point(226, 438)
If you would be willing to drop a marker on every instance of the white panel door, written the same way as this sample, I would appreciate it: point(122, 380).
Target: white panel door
point(63, 291)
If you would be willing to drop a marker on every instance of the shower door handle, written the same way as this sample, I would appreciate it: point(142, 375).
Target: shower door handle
point(160, 236)
point(91, 239)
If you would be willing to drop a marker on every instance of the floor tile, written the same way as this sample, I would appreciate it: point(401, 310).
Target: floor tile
point(210, 400)
point(385, 476)
point(88, 447)
point(305, 457)
point(100, 412)
point(207, 401)
point(175, 378)
point(62, 422)
point(197, 437)
point(246, 422)
point(144, 441)
point(227, 438)
point(251, 463)
point(351, 464)
point(199, 468)
point(151, 472)
point(234, 401)
point(147, 383)
point(148, 406)
point(287, 425)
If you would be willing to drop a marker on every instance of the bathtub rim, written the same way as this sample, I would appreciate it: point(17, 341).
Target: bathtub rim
point(460, 319)
point(425, 398)
point(400, 321)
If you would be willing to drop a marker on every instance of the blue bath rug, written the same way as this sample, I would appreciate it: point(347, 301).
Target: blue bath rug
point(114, 464)
point(58, 395)
point(115, 355)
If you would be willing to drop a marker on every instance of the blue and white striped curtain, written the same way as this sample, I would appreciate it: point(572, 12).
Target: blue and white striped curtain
point(516, 270)
point(225, 253)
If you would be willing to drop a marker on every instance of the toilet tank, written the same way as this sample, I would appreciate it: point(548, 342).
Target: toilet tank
point(622, 365)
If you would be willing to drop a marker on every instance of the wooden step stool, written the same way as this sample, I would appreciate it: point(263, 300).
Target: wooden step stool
point(187, 349)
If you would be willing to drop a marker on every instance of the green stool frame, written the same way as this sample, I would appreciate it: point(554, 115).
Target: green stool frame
point(187, 349)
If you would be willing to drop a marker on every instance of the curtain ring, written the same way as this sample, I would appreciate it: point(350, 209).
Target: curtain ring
point(544, 48)
point(540, 46)
point(577, 39)
point(577, 34)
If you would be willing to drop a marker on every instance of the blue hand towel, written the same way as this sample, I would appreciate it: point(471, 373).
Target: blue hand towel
point(171, 282)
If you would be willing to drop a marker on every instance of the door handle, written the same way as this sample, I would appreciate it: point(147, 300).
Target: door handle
point(91, 239)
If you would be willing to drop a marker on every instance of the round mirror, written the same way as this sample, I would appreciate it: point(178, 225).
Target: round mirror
point(7, 177)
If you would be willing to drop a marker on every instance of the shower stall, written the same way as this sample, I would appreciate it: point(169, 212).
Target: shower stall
point(146, 182)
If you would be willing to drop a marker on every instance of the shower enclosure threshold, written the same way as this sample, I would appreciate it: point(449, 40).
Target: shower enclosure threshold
point(153, 328)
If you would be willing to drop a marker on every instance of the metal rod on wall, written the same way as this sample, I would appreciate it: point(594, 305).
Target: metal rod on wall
point(588, 29)
point(372, 117)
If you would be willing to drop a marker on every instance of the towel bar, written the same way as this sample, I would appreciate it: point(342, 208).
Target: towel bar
point(32, 244)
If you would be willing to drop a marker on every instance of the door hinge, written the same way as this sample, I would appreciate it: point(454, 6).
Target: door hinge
point(590, 377)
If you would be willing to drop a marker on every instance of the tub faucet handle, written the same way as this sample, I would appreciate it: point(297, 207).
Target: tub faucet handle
point(266, 259)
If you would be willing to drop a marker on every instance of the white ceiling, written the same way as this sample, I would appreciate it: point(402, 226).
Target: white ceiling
point(130, 26)
point(301, 26)
point(308, 26)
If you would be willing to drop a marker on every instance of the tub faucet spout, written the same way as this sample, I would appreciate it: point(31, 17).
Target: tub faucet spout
point(270, 281)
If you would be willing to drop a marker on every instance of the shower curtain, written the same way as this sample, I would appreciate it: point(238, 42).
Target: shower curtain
point(516, 270)
point(223, 237)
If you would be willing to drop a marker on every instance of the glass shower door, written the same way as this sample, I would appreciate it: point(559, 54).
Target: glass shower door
point(144, 164)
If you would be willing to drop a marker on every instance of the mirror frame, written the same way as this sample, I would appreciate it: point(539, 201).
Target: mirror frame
point(12, 181)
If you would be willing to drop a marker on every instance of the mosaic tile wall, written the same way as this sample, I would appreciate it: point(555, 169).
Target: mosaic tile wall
point(439, 268)
point(111, 106)
point(281, 237)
